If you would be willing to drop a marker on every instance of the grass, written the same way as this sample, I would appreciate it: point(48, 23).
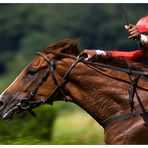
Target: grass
point(72, 126)
point(77, 127)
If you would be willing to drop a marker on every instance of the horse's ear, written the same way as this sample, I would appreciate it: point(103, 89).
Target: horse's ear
point(71, 48)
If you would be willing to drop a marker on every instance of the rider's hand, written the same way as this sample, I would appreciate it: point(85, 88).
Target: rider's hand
point(133, 31)
point(91, 54)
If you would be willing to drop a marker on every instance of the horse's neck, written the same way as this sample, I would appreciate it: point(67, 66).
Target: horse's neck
point(99, 95)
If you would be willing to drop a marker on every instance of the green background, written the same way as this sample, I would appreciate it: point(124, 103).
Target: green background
point(28, 28)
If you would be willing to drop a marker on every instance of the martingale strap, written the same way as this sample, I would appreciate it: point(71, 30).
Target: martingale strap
point(123, 117)
point(133, 113)
point(132, 92)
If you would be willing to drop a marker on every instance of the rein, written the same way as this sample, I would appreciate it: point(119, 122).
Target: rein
point(29, 103)
point(129, 71)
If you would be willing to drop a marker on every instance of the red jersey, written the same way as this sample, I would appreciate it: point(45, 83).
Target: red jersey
point(136, 56)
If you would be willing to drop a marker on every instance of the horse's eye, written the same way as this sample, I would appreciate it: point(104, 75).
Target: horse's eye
point(31, 71)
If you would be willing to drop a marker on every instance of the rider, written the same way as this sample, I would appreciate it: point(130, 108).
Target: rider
point(134, 31)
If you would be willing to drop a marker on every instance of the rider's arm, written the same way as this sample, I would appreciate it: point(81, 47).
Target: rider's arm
point(136, 55)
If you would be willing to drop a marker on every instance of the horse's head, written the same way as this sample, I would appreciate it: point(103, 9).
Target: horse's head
point(38, 81)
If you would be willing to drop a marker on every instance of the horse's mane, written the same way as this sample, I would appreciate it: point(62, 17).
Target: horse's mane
point(123, 63)
point(67, 46)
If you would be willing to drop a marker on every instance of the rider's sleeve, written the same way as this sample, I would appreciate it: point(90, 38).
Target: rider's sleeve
point(136, 55)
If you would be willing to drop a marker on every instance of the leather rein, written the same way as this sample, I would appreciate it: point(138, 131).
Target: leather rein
point(29, 103)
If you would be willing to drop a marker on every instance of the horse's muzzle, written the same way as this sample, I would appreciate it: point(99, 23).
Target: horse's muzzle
point(17, 107)
point(9, 114)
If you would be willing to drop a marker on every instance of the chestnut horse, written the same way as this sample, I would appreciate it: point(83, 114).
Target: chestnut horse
point(113, 91)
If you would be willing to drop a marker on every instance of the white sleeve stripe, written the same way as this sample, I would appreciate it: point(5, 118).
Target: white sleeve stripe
point(143, 39)
point(101, 52)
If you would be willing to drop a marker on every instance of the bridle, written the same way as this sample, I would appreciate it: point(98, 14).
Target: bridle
point(29, 103)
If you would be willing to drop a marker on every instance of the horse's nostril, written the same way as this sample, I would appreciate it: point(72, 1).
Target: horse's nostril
point(2, 105)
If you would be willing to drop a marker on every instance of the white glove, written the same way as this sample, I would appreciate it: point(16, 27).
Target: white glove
point(101, 53)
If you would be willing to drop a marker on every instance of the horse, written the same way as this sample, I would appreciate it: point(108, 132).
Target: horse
point(112, 90)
